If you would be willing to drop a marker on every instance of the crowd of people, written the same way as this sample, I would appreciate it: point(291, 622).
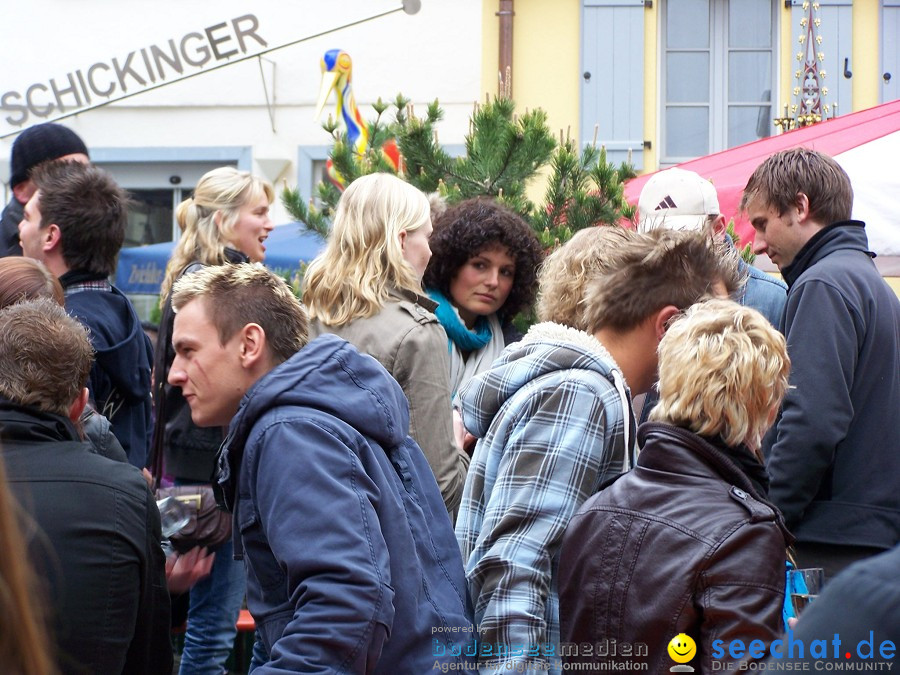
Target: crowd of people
point(416, 484)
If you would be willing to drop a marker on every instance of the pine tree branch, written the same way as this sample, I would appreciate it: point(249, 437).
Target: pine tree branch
point(505, 164)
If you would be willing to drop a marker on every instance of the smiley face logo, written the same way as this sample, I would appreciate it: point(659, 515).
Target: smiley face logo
point(682, 648)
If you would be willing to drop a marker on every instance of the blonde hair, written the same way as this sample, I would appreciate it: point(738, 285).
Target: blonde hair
point(567, 272)
point(723, 369)
point(363, 259)
point(220, 191)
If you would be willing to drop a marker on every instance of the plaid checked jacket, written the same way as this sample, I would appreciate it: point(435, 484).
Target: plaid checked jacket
point(554, 419)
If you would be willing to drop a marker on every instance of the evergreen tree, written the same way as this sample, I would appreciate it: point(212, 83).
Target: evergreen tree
point(347, 166)
point(584, 190)
point(747, 251)
point(504, 153)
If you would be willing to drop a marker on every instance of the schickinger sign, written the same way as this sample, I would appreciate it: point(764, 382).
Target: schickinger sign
point(122, 74)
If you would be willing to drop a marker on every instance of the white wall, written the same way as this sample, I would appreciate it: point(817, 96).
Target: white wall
point(433, 54)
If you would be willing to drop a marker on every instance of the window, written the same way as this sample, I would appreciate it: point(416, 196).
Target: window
point(151, 215)
point(717, 72)
point(158, 179)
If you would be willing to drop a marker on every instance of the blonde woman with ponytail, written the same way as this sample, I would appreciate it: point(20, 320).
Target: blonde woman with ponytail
point(225, 221)
point(366, 287)
point(228, 210)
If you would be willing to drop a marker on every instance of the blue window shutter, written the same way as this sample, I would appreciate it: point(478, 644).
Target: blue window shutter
point(612, 47)
point(890, 50)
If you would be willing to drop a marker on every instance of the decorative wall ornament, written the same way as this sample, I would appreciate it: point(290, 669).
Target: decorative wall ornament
point(809, 91)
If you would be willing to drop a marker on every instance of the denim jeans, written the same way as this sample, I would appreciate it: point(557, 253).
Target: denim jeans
point(211, 627)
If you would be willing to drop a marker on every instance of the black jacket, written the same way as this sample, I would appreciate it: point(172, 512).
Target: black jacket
point(188, 450)
point(9, 228)
point(835, 465)
point(94, 538)
point(684, 543)
point(98, 432)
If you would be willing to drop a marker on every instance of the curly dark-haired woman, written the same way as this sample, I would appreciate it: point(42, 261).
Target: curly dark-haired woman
point(482, 273)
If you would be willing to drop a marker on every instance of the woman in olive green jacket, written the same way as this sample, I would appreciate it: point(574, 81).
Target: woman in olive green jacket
point(366, 287)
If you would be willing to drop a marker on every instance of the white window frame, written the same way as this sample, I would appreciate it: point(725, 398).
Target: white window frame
point(718, 98)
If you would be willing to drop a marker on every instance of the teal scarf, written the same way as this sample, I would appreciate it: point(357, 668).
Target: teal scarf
point(467, 340)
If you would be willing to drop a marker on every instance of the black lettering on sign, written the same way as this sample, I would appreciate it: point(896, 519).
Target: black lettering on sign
point(87, 95)
point(171, 58)
point(220, 41)
point(59, 93)
point(100, 92)
point(122, 71)
point(32, 106)
point(250, 31)
point(6, 104)
point(147, 65)
point(214, 42)
point(203, 50)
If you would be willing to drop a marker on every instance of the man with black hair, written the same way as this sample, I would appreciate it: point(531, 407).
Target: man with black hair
point(75, 224)
point(37, 144)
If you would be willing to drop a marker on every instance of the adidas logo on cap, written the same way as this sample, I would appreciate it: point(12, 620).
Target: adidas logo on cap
point(667, 203)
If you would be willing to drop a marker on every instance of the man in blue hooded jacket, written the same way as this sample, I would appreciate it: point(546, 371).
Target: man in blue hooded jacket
point(835, 461)
point(352, 566)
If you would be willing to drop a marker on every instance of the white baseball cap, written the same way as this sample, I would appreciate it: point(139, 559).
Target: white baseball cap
point(677, 199)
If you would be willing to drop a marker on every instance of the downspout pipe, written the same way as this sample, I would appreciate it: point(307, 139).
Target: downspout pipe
point(506, 14)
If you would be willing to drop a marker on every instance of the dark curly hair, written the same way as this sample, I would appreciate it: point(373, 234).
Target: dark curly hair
point(466, 229)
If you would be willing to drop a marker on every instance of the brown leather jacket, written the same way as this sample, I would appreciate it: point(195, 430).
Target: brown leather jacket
point(684, 543)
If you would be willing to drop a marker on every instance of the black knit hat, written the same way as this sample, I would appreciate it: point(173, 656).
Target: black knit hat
point(41, 143)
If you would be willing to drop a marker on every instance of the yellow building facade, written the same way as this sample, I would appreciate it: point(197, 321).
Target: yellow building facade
point(671, 80)
point(549, 59)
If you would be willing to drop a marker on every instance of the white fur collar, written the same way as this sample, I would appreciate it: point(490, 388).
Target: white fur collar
point(557, 332)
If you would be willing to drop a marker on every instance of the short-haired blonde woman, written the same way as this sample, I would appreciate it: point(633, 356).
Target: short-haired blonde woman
point(570, 269)
point(687, 542)
point(366, 287)
point(225, 221)
point(594, 252)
